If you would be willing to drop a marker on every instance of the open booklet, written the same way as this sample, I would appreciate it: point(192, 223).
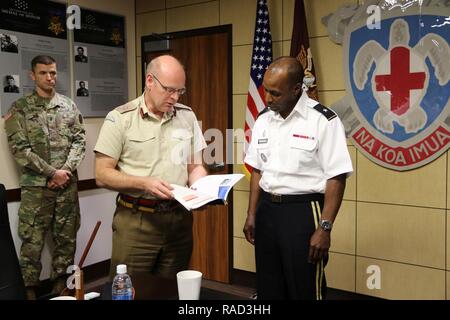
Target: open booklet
point(207, 190)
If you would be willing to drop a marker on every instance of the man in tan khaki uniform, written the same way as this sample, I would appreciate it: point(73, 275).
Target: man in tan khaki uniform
point(143, 147)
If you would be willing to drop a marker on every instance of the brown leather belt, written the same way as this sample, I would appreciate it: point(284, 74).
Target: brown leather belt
point(146, 205)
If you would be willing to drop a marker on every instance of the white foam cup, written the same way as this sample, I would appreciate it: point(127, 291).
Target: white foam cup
point(189, 283)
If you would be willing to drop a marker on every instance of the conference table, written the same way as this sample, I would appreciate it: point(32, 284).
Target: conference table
point(151, 287)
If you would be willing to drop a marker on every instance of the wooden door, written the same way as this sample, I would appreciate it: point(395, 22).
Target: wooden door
point(206, 55)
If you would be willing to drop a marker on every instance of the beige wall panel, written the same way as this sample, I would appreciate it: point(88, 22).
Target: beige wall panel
point(179, 3)
point(149, 5)
point(448, 179)
point(243, 255)
point(288, 20)
point(328, 64)
point(240, 203)
point(242, 15)
point(340, 272)
point(448, 285)
point(448, 241)
point(350, 143)
point(276, 19)
point(193, 17)
point(127, 6)
point(425, 186)
point(243, 184)
point(404, 234)
point(328, 98)
point(147, 23)
point(343, 234)
point(286, 48)
point(350, 188)
point(241, 68)
point(239, 109)
point(277, 48)
point(238, 157)
point(139, 73)
point(401, 281)
point(315, 10)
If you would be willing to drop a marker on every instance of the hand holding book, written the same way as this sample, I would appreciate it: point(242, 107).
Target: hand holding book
point(206, 190)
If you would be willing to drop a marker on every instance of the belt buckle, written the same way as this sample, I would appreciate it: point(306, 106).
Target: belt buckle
point(135, 204)
point(275, 198)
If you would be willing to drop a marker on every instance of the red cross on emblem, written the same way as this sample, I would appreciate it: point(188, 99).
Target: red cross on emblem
point(400, 82)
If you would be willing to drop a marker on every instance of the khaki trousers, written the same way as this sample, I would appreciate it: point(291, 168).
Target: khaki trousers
point(159, 242)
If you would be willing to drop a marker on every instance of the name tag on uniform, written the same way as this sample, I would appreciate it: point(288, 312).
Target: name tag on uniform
point(262, 141)
point(302, 136)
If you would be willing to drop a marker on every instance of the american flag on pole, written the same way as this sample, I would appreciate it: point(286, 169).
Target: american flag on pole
point(261, 58)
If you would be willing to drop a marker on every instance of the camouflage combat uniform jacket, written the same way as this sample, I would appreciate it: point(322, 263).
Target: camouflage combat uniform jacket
point(45, 135)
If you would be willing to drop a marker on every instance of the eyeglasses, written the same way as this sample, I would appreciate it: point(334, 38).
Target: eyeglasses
point(170, 90)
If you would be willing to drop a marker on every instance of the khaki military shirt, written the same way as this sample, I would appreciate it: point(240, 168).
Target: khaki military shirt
point(146, 146)
point(45, 135)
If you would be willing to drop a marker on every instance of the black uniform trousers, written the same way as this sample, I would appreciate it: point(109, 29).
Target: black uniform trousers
point(283, 229)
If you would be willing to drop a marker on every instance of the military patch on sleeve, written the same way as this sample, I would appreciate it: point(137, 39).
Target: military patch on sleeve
point(7, 116)
point(328, 113)
point(110, 117)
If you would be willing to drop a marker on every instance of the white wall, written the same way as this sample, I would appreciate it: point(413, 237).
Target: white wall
point(95, 206)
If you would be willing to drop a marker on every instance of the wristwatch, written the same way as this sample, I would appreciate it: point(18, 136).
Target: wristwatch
point(326, 225)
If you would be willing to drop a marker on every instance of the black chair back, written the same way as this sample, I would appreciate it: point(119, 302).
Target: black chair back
point(11, 282)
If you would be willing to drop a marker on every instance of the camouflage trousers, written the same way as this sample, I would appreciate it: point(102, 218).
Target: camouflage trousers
point(42, 210)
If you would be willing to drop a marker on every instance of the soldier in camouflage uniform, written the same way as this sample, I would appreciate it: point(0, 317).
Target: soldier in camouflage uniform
point(47, 138)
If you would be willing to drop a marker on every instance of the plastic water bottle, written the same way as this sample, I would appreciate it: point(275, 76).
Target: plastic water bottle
point(122, 288)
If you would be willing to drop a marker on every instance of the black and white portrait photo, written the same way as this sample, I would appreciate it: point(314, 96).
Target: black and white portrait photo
point(82, 88)
point(81, 54)
point(8, 43)
point(11, 84)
